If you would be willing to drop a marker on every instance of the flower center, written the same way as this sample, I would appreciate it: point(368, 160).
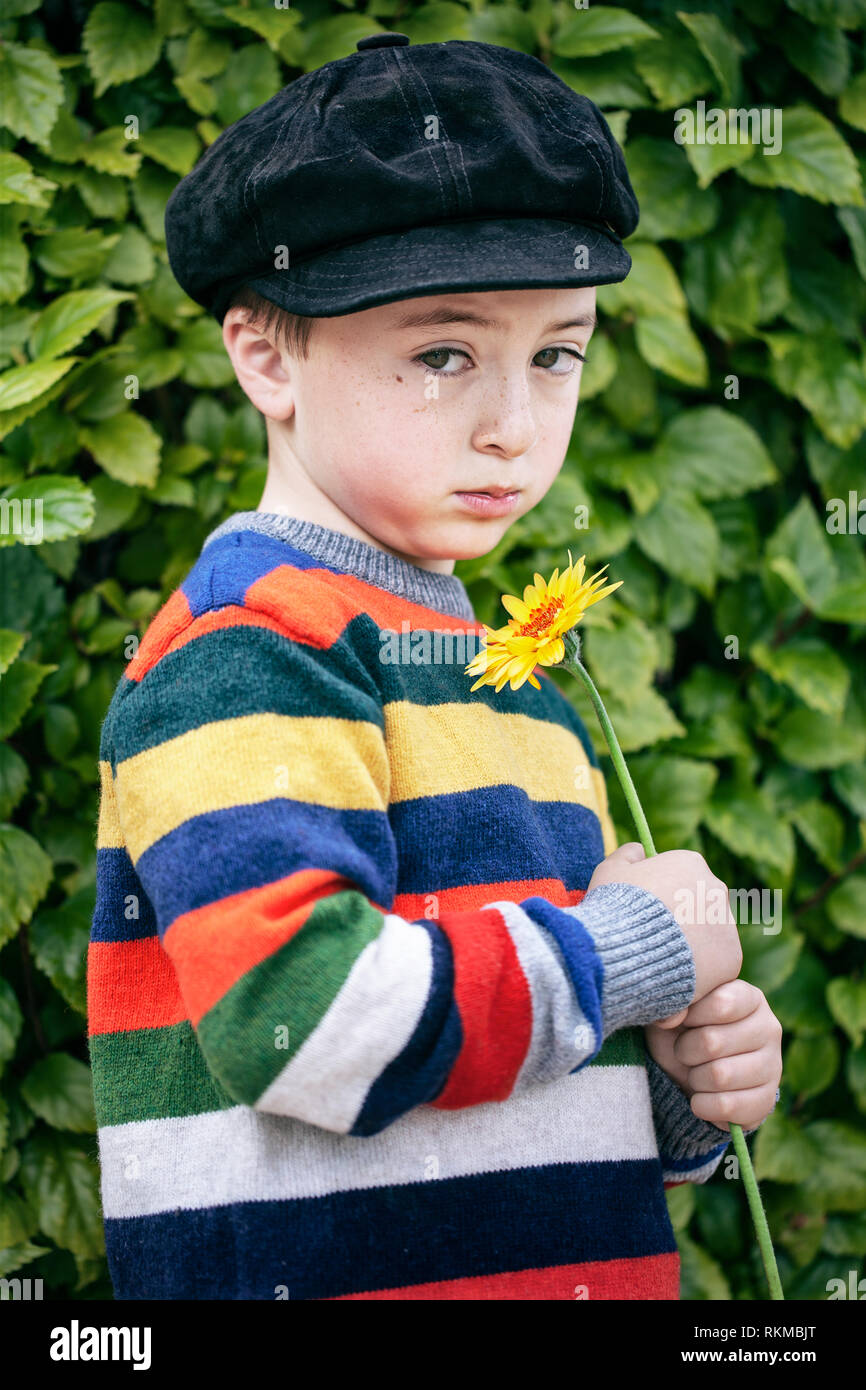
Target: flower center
point(541, 619)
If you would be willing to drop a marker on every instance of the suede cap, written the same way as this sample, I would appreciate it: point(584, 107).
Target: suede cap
point(405, 170)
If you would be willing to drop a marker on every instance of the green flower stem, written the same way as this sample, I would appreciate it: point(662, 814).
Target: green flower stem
point(571, 662)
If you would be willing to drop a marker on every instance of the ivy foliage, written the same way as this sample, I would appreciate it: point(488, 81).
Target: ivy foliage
point(718, 466)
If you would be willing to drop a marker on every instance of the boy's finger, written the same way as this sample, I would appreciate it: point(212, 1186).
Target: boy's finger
point(737, 1072)
point(673, 1020)
point(725, 1004)
point(704, 1044)
point(745, 1108)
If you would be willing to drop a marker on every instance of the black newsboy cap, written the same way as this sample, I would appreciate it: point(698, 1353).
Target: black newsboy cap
point(405, 170)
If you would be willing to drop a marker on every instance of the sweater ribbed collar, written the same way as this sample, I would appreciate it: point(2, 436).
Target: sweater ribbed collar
point(443, 592)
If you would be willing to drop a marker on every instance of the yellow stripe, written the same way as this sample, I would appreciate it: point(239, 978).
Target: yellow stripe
point(108, 832)
point(461, 747)
point(238, 762)
point(601, 809)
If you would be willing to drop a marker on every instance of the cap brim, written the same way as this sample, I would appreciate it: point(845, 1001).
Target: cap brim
point(493, 254)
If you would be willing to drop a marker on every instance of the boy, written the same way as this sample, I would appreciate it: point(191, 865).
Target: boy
point(366, 997)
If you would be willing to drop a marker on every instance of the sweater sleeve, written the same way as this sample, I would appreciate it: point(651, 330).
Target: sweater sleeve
point(252, 784)
point(690, 1149)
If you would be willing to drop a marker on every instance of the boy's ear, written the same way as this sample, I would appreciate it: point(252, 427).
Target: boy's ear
point(263, 371)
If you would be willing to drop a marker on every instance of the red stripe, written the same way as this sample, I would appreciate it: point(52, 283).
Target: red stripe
point(648, 1277)
point(131, 984)
point(492, 996)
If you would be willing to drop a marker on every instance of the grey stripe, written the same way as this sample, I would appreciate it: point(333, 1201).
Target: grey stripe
point(444, 592)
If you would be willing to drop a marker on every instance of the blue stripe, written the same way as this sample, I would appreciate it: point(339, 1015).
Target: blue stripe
point(419, 1073)
point(492, 835)
point(228, 567)
point(582, 961)
point(119, 891)
point(685, 1165)
point(389, 1237)
point(212, 856)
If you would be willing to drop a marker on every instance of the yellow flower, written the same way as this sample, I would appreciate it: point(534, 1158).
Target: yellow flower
point(534, 633)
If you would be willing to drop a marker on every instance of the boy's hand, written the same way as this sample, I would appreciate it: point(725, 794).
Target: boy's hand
point(699, 901)
point(726, 1055)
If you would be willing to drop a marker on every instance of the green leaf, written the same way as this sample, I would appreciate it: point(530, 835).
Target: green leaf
point(708, 161)
point(126, 446)
point(31, 90)
point(609, 80)
point(206, 362)
point(19, 184)
point(25, 873)
point(585, 33)
point(846, 905)
point(59, 939)
point(695, 559)
point(668, 343)
point(13, 780)
point(673, 68)
point(62, 1182)
point(622, 657)
point(19, 689)
point(58, 1089)
point(651, 287)
point(671, 203)
point(822, 54)
point(713, 453)
point(701, 1277)
point(600, 368)
point(811, 668)
point(52, 506)
point(132, 261)
point(813, 160)
point(120, 45)
point(69, 319)
point(645, 720)
point(811, 1064)
point(839, 1175)
point(22, 384)
point(783, 1151)
point(437, 21)
point(10, 645)
point(852, 102)
point(849, 784)
point(720, 48)
point(746, 821)
point(673, 792)
point(75, 253)
point(827, 378)
point(737, 278)
point(11, 1023)
point(800, 1003)
point(846, 1000)
point(845, 14)
point(823, 829)
point(251, 77)
point(175, 147)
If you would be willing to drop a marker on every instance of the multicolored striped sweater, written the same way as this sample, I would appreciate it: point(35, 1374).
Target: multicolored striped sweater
point(357, 1028)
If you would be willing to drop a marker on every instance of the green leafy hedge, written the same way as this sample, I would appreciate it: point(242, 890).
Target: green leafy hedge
point(723, 410)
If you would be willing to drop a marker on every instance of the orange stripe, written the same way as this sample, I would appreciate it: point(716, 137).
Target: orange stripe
point(213, 946)
point(131, 984)
point(646, 1277)
point(164, 627)
point(472, 897)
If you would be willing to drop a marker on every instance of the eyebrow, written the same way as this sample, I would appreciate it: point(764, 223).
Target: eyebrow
point(435, 318)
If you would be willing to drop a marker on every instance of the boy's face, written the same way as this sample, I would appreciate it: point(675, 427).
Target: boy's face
point(401, 408)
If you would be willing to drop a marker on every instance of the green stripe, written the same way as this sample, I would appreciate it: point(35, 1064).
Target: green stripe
point(625, 1048)
point(291, 990)
point(151, 1074)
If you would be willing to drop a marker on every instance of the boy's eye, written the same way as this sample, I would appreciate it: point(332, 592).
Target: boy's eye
point(444, 353)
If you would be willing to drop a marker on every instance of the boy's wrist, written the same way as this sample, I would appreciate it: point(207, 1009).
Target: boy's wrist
point(649, 971)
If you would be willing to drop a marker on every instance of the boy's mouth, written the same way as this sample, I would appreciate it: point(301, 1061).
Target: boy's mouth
point(494, 502)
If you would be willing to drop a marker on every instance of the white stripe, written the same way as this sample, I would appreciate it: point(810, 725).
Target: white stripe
point(600, 1114)
point(562, 1036)
point(368, 1024)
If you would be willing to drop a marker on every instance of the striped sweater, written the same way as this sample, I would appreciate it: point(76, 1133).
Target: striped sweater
point(357, 1029)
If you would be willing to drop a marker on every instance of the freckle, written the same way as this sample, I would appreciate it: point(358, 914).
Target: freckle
point(400, 379)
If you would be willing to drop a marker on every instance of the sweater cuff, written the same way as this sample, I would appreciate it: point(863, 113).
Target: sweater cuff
point(681, 1134)
point(649, 972)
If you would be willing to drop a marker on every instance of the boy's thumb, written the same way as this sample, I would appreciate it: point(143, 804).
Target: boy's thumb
point(629, 853)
